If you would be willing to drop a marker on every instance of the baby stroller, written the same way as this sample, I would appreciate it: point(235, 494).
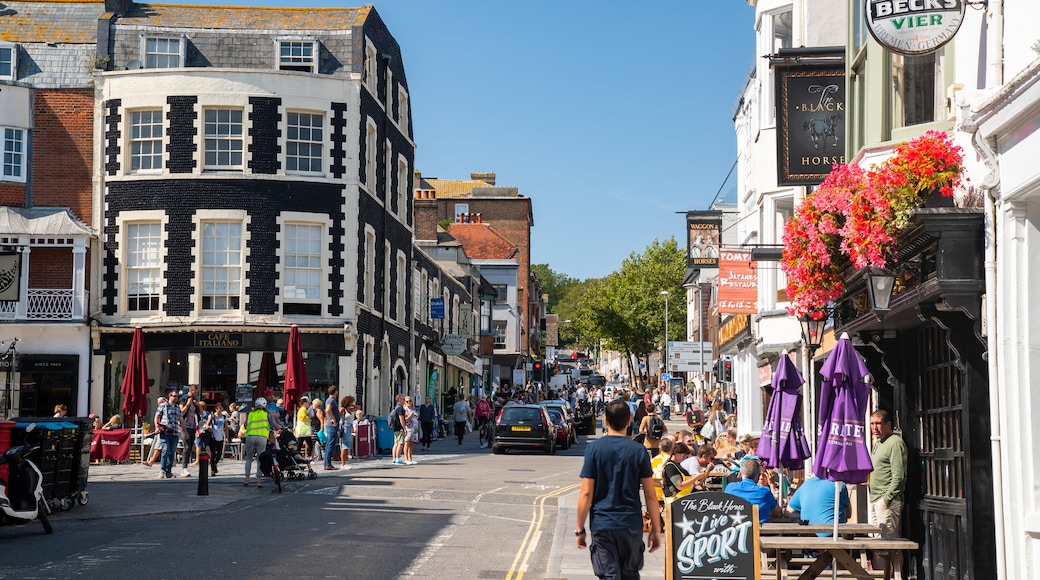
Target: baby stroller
point(283, 460)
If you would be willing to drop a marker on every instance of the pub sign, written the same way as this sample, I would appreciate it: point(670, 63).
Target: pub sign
point(703, 230)
point(810, 122)
point(10, 276)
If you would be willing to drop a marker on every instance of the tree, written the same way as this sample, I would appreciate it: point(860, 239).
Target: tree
point(554, 284)
point(627, 309)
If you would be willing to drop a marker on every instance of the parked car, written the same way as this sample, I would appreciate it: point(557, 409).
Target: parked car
point(563, 427)
point(524, 427)
point(568, 413)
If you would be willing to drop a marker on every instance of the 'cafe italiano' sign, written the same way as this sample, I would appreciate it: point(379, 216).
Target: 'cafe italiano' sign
point(913, 27)
point(218, 339)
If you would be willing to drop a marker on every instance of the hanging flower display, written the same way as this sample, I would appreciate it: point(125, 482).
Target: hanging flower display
point(857, 215)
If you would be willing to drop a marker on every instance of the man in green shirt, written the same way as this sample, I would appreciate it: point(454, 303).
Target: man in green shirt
point(888, 480)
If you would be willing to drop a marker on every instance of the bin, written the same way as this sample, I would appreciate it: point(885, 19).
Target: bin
point(66, 478)
point(364, 439)
point(384, 434)
point(47, 435)
point(81, 463)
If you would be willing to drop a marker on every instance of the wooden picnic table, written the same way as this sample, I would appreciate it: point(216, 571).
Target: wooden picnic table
point(772, 528)
point(831, 551)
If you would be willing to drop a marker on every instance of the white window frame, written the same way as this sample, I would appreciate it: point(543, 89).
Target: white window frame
point(11, 61)
point(767, 38)
point(307, 220)
point(370, 266)
point(386, 280)
point(201, 219)
point(14, 160)
point(219, 139)
point(371, 72)
point(312, 141)
point(402, 111)
point(389, 92)
point(416, 293)
point(123, 222)
point(402, 286)
point(371, 139)
point(459, 209)
point(145, 53)
point(388, 174)
point(294, 61)
point(402, 187)
point(502, 325)
point(156, 155)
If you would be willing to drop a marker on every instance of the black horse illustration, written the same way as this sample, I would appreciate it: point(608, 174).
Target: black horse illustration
point(823, 129)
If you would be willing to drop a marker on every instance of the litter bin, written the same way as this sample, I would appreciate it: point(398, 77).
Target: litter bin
point(65, 477)
point(384, 435)
point(47, 434)
point(364, 439)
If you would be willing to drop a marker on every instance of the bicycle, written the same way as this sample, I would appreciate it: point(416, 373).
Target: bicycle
point(484, 431)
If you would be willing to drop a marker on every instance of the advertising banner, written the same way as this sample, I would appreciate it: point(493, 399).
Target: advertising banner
point(704, 229)
point(913, 28)
point(738, 283)
point(810, 122)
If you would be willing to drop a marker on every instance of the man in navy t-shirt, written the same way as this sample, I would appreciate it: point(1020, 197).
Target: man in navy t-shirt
point(615, 469)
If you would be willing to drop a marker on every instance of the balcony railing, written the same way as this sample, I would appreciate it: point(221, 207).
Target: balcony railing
point(46, 304)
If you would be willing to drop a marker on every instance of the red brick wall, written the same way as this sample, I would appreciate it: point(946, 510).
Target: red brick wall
point(12, 194)
point(425, 218)
point(50, 268)
point(62, 146)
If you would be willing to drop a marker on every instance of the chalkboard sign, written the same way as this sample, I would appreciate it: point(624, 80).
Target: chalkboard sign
point(244, 395)
point(711, 535)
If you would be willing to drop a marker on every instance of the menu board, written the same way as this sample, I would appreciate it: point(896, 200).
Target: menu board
point(244, 395)
point(711, 535)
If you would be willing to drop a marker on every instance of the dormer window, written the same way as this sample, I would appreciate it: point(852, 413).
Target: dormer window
point(163, 52)
point(8, 62)
point(297, 55)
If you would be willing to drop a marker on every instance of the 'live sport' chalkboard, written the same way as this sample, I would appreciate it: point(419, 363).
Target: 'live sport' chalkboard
point(712, 535)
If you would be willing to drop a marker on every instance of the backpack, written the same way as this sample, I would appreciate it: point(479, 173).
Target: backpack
point(655, 427)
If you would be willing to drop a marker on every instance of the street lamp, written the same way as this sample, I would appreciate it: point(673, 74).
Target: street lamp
point(880, 284)
point(664, 360)
point(812, 329)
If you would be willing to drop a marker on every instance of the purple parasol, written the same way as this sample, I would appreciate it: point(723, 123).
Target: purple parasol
point(783, 442)
point(841, 454)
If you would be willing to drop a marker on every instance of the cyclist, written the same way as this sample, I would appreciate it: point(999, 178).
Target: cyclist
point(483, 415)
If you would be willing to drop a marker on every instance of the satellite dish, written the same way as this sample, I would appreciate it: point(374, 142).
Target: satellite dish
point(133, 65)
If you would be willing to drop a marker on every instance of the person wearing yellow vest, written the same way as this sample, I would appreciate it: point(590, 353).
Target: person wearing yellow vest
point(255, 434)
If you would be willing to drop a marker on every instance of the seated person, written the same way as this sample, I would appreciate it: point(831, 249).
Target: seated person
point(97, 422)
point(700, 467)
point(675, 481)
point(813, 501)
point(116, 422)
point(749, 489)
point(657, 463)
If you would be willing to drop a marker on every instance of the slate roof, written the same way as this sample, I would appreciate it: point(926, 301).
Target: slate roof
point(54, 22)
point(41, 222)
point(245, 18)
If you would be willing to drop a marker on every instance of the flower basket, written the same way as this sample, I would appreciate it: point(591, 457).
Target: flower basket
point(856, 216)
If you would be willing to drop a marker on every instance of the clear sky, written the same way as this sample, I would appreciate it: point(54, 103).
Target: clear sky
point(612, 116)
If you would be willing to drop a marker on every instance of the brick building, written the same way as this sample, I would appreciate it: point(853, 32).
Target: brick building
point(46, 137)
point(511, 216)
point(255, 167)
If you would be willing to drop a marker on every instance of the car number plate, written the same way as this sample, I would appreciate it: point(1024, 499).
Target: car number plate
point(520, 428)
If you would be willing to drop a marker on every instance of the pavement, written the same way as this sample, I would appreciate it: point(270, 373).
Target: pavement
point(132, 489)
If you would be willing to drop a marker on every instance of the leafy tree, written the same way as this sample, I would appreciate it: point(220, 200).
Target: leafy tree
point(555, 284)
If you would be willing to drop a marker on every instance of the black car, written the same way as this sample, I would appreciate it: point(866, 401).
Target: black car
point(524, 427)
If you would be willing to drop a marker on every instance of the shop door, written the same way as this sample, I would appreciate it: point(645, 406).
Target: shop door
point(940, 437)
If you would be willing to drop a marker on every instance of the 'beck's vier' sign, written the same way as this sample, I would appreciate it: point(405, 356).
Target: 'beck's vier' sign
point(712, 535)
point(913, 26)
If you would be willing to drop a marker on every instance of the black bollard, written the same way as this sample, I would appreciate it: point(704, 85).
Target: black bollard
point(203, 472)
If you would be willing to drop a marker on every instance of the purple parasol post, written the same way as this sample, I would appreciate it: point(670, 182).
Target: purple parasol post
point(842, 454)
point(783, 443)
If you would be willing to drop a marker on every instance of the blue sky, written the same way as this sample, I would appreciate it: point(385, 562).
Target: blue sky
point(612, 116)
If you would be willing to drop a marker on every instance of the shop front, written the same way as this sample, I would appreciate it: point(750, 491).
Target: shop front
point(220, 361)
point(928, 359)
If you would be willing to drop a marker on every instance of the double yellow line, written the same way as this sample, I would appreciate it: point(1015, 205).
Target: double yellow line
point(531, 538)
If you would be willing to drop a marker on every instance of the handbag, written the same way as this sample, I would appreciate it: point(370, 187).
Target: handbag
point(708, 431)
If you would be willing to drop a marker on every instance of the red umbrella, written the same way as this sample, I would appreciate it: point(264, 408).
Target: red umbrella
point(135, 381)
point(295, 370)
point(267, 379)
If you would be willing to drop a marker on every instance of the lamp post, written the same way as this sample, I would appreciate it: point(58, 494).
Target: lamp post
point(664, 358)
point(880, 284)
point(813, 325)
